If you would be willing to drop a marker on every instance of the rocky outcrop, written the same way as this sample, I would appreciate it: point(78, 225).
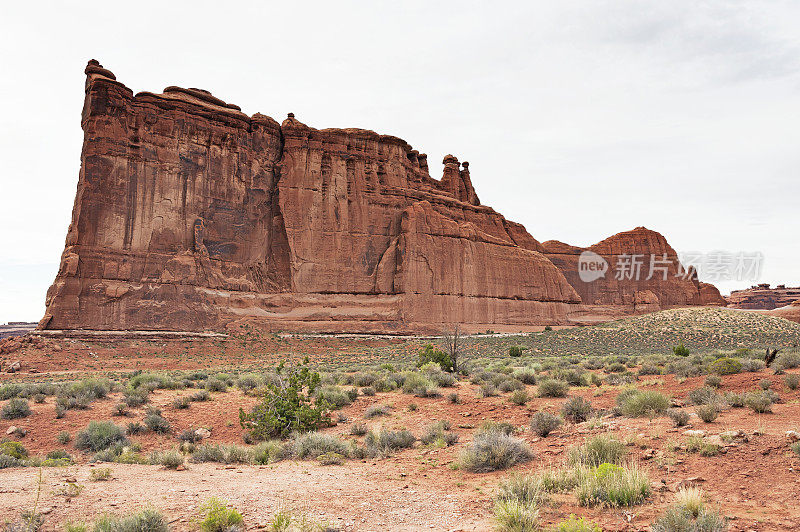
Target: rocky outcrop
point(764, 297)
point(710, 296)
point(633, 271)
point(191, 215)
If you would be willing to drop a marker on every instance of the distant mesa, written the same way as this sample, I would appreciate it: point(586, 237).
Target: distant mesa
point(191, 216)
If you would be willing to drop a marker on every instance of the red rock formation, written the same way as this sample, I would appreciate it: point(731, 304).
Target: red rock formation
point(191, 215)
point(643, 273)
point(762, 297)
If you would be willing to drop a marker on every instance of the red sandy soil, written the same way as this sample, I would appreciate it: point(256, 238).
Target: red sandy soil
point(756, 482)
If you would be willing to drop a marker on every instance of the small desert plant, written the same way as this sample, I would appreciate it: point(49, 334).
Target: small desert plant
point(430, 354)
point(760, 403)
point(14, 449)
point(199, 395)
point(335, 397)
point(438, 434)
point(515, 351)
point(376, 411)
point(680, 350)
point(576, 409)
point(492, 451)
point(99, 435)
point(678, 416)
point(313, 444)
point(158, 424)
point(708, 413)
point(169, 459)
point(765, 384)
point(15, 408)
point(100, 474)
point(368, 391)
point(543, 423)
point(181, 403)
point(63, 437)
point(552, 388)
point(726, 366)
point(639, 403)
point(358, 429)
point(214, 384)
point(573, 524)
point(515, 516)
point(792, 381)
point(598, 450)
point(612, 485)
point(453, 398)
point(330, 458)
point(146, 520)
point(677, 518)
point(714, 381)
point(690, 498)
point(519, 397)
point(385, 442)
point(119, 409)
point(134, 427)
point(796, 448)
point(487, 389)
point(136, 397)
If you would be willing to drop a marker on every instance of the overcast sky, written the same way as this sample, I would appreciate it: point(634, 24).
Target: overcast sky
point(579, 119)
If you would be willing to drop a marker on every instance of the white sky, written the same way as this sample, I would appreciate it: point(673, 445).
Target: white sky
point(579, 119)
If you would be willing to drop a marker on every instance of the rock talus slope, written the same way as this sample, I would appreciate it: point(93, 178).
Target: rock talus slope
point(191, 215)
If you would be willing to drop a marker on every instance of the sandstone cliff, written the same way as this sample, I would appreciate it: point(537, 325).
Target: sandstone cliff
point(643, 273)
point(763, 297)
point(191, 215)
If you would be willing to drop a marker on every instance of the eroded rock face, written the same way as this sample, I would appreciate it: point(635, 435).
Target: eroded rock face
point(191, 215)
point(643, 273)
point(764, 297)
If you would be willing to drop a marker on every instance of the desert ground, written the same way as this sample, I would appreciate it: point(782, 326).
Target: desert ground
point(410, 447)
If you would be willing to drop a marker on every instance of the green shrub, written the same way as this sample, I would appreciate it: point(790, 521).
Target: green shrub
point(15, 408)
point(63, 437)
point(492, 451)
point(613, 486)
point(703, 396)
point(199, 395)
point(598, 450)
point(543, 423)
point(99, 435)
point(510, 385)
point(487, 389)
point(680, 350)
point(515, 516)
point(438, 434)
point(576, 409)
point(146, 520)
point(519, 397)
point(792, 381)
point(707, 413)
point(181, 403)
point(726, 366)
point(313, 444)
point(334, 397)
point(515, 351)
point(677, 519)
point(218, 517)
point(158, 424)
point(358, 429)
point(287, 407)
point(10, 461)
point(10, 390)
point(430, 354)
point(169, 459)
point(14, 449)
point(525, 376)
point(639, 403)
point(759, 402)
point(714, 381)
point(385, 442)
point(214, 384)
point(223, 454)
point(573, 524)
point(552, 388)
point(376, 411)
point(134, 397)
point(679, 417)
point(100, 474)
point(268, 452)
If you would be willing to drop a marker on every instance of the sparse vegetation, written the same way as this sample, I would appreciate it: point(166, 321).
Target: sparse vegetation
point(494, 450)
point(543, 423)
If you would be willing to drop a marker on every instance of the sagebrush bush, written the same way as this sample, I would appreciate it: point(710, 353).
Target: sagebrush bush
point(146, 520)
point(438, 434)
point(358, 429)
point(313, 444)
point(677, 518)
point(376, 411)
point(792, 381)
point(543, 423)
point(703, 396)
point(99, 435)
point(492, 451)
point(519, 397)
point(15, 408)
point(613, 486)
point(525, 376)
point(64, 437)
point(14, 449)
point(552, 388)
point(515, 516)
point(100, 474)
point(155, 422)
point(600, 449)
point(573, 524)
point(334, 396)
point(385, 442)
point(639, 403)
point(219, 517)
point(726, 366)
point(576, 409)
point(708, 413)
point(678, 416)
point(714, 381)
point(759, 402)
point(223, 454)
